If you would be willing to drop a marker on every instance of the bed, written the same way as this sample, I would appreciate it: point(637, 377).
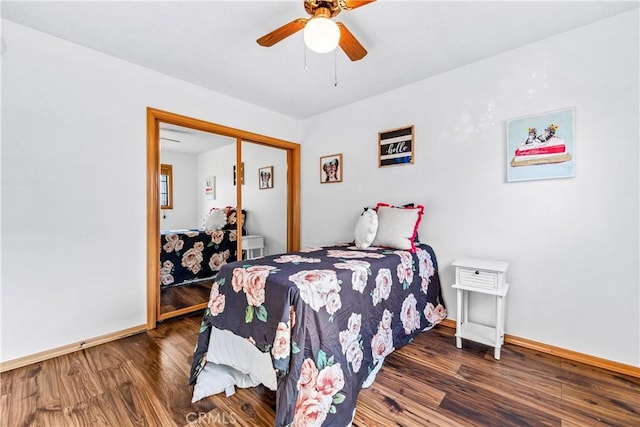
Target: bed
point(188, 256)
point(322, 319)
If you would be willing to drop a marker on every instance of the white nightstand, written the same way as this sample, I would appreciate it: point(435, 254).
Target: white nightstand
point(251, 244)
point(485, 277)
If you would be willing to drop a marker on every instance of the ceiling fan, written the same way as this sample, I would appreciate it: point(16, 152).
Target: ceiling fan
point(321, 33)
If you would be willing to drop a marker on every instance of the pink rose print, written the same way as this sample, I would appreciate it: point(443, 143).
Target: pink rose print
point(311, 410)
point(381, 345)
point(192, 259)
point(281, 344)
point(237, 281)
point(433, 314)
point(382, 341)
point(174, 243)
point(360, 273)
point(409, 315)
point(308, 374)
point(317, 390)
point(383, 286)
point(217, 260)
point(425, 264)
point(333, 302)
point(336, 253)
point(166, 278)
point(292, 316)
point(330, 380)
point(316, 286)
point(354, 355)
point(424, 285)
point(252, 280)
point(386, 319)
point(351, 341)
point(216, 300)
point(217, 236)
point(295, 259)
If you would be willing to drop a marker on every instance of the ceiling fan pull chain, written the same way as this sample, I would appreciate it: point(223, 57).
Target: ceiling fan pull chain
point(305, 59)
point(335, 68)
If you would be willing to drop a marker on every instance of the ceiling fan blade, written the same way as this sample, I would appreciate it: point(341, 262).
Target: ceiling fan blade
point(350, 45)
point(282, 33)
point(353, 4)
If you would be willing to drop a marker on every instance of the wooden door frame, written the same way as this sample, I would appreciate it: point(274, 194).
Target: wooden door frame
point(154, 118)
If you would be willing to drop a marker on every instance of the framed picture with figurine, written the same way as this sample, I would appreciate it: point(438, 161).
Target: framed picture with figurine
point(331, 168)
point(265, 177)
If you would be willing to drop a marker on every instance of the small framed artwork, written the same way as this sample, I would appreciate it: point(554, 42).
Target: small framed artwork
point(265, 177)
point(241, 174)
point(331, 168)
point(395, 147)
point(210, 188)
point(541, 146)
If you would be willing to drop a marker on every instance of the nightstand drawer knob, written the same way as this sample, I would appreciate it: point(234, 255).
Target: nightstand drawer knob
point(477, 272)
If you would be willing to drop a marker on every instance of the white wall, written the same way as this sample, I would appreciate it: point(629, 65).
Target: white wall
point(74, 185)
point(184, 213)
point(572, 243)
point(218, 163)
point(266, 208)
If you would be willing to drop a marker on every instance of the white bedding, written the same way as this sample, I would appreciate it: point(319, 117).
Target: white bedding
point(233, 361)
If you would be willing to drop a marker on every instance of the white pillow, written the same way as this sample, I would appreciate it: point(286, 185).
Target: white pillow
point(366, 228)
point(398, 226)
point(214, 220)
point(214, 379)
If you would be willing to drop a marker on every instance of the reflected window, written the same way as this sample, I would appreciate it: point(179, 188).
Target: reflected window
point(166, 187)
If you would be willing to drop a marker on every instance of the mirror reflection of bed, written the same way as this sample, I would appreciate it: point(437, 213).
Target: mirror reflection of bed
point(204, 181)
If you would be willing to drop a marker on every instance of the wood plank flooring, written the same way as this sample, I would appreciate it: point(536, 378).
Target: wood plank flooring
point(142, 380)
point(177, 297)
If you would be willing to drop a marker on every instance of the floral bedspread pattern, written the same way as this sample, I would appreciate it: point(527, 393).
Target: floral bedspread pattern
point(327, 316)
point(194, 255)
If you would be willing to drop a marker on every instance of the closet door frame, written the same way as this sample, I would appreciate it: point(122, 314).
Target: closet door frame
point(154, 118)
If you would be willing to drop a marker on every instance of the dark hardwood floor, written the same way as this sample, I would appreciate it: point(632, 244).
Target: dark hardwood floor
point(142, 380)
point(177, 297)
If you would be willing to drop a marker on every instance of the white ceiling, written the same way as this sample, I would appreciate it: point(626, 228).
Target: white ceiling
point(213, 43)
point(192, 141)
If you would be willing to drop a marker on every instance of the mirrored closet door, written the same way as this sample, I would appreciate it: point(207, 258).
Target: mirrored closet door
point(211, 200)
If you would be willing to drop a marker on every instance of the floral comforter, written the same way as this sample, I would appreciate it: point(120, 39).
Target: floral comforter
point(191, 255)
point(328, 316)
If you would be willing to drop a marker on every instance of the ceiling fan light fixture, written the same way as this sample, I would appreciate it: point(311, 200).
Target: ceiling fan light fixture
point(321, 34)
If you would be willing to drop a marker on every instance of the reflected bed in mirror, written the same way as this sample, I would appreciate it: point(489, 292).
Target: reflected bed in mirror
point(190, 256)
point(202, 155)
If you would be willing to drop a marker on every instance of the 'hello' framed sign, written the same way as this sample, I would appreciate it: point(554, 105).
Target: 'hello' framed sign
point(395, 147)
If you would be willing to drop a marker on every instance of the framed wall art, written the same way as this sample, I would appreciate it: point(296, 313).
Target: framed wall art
point(210, 188)
point(541, 146)
point(241, 174)
point(331, 168)
point(395, 147)
point(265, 177)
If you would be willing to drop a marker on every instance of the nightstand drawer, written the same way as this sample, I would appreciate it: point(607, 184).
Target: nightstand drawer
point(252, 242)
point(478, 278)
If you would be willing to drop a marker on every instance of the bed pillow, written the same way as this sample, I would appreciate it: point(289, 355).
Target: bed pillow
point(214, 220)
point(232, 218)
point(398, 226)
point(366, 228)
point(214, 379)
